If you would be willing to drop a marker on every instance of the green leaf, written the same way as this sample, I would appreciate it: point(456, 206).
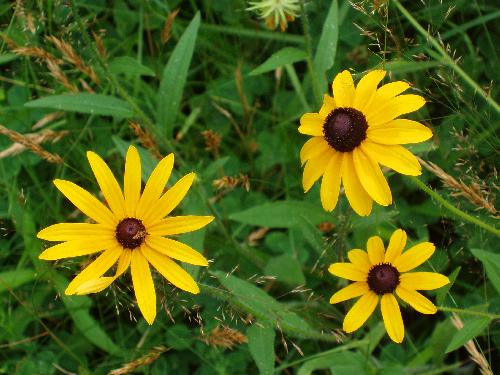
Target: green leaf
point(94, 104)
point(174, 78)
point(472, 328)
point(286, 269)
point(16, 278)
point(491, 263)
point(281, 214)
point(339, 363)
point(261, 345)
point(287, 55)
point(130, 66)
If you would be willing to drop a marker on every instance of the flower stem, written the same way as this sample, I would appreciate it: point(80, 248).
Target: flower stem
point(447, 59)
point(453, 209)
point(469, 312)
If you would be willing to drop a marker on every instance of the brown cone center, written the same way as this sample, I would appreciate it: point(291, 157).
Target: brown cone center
point(130, 233)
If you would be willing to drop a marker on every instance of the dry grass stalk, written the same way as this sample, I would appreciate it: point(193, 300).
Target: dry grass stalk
point(230, 182)
point(28, 143)
point(225, 337)
point(166, 32)
point(146, 139)
point(473, 193)
point(212, 141)
point(470, 346)
point(145, 360)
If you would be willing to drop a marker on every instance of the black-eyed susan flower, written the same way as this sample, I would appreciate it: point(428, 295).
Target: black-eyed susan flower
point(381, 275)
point(129, 230)
point(276, 12)
point(354, 133)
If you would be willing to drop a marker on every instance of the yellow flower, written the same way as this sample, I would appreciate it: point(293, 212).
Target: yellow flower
point(276, 12)
point(353, 133)
point(130, 231)
point(381, 274)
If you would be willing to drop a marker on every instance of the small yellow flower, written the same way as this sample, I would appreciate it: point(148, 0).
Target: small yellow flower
point(380, 274)
point(276, 12)
point(130, 230)
point(354, 133)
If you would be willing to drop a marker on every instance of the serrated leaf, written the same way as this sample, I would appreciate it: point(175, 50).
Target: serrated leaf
point(471, 329)
point(261, 345)
point(16, 278)
point(287, 55)
point(130, 66)
point(491, 263)
point(94, 104)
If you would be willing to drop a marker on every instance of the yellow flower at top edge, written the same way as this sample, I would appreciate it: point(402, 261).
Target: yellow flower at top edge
point(276, 12)
point(355, 132)
point(130, 230)
point(381, 275)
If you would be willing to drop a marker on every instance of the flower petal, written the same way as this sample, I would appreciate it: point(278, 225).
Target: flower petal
point(328, 105)
point(347, 271)
point(357, 196)
point(343, 89)
point(396, 245)
point(414, 256)
point(311, 124)
point(170, 199)
point(143, 285)
point(155, 185)
point(393, 156)
point(313, 148)
point(171, 271)
point(360, 312)
point(396, 107)
point(330, 184)
point(86, 202)
point(385, 93)
point(314, 169)
point(351, 291)
point(74, 231)
point(416, 300)
point(77, 248)
point(400, 131)
point(132, 181)
point(391, 315)
point(179, 224)
point(375, 248)
point(108, 184)
point(176, 250)
point(96, 269)
point(423, 280)
point(366, 88)
point(372, 178)
point(359, 258)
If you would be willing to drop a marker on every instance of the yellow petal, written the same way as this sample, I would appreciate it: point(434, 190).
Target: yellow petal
point(384, 94)
point(357, 196)
point(372, 178)
point(314, 169)
point(311, 124)
point(359, 259)
point(96, 269)
point(396, 245)
point(400, 131)
point(74, 231)
point(396, 107)
point(360, 312)
point(176, 250)
point(351, 291)
point(416, 300)
point(313, 148)
point(170, 199)
point(366, 88)
point(178, 225)
point(393, 156)
point(328, 105)
point(171, 271)
point(392, 318)
point(414, 257)
point(330, 184)
point(143, 285)
point(155, 185)
point(423, 280)
point(375, 248)
point(77, 248)
point(343, 89)
point(347, 271)
point(108, 184)
point(86, 202)
point(132, 181)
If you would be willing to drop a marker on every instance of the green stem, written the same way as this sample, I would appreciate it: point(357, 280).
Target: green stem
point(447, 59)
point(453, 209)
point(468, 312)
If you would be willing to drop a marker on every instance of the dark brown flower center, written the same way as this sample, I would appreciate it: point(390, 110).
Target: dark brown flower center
point(383, 278)
point(130, 233)
point(345, 128)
